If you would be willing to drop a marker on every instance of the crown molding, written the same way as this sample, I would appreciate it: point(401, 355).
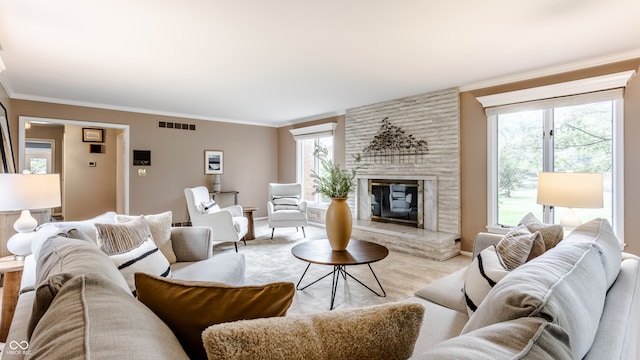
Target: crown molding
point(553, 70)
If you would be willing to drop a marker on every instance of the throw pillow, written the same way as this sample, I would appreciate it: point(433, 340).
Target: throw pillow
point(208, 207)
point(91, 318)
point(189, 307)
point(482, 275)
point(160, 226)
point(515, 246)
point(386, 331)
point(551, 234)
point(119, 238)
point(144, 258)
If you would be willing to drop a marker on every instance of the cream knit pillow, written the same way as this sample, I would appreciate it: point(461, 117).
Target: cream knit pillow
point(386, 331)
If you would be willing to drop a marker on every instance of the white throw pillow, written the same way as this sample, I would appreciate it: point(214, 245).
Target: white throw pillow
point(482, 275)
point(145, 258)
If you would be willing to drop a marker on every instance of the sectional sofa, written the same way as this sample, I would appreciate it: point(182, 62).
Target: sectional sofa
point(577, 300)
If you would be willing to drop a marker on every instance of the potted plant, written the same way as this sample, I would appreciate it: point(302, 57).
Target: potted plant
point(335, 183)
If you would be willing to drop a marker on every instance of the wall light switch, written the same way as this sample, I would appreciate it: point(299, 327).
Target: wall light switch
point(92, 164)
point(142, 172)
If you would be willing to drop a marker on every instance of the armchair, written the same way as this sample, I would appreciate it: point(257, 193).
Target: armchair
point(227, 224)
point(285, 207)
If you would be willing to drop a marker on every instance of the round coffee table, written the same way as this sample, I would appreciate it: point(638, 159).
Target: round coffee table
point(358, 253)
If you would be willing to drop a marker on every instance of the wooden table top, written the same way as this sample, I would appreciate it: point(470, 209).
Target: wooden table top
point(358, 252)
point(9, 264)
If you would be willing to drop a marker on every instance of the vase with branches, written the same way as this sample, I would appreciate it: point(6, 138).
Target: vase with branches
point(336, 183)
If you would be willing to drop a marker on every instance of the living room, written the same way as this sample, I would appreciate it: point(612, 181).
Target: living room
point(257, 153)
point(256, 146)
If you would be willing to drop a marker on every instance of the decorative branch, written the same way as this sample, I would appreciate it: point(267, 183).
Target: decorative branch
point(391, 142)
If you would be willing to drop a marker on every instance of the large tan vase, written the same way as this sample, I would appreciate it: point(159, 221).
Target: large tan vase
point(338, 224)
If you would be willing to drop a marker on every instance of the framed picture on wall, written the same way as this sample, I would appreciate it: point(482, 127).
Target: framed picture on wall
point(213, 162)
point(92, 135)
point(7, 165)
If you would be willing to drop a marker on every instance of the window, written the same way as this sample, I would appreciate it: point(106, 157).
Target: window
point(575, 138)
point(38, 156)
point(306, 140)
point(564, 133)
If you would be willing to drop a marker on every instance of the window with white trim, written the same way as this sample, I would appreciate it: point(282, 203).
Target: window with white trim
point(306, 140)
point(568, 133)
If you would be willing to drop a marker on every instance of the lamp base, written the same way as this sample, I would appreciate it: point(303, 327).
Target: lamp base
point(20, 244)
point(570, 220)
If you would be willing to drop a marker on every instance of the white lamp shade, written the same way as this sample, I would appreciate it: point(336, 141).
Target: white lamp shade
point(572, 190)
point(29, 191)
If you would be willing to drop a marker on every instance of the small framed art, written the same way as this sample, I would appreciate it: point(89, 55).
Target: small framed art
point(213, 162)
point(92, 135)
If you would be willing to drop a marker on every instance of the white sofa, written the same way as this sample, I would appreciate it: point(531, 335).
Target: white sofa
point(195, 261)
point(580, 299)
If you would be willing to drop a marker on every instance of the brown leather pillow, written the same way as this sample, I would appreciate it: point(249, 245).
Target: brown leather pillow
point(189, 307)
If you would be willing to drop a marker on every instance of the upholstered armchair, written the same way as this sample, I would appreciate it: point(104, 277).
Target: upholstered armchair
point(285, 207)
point(227, 224)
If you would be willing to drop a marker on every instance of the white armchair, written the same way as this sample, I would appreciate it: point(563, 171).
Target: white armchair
point(227, 224)
point(285, 207)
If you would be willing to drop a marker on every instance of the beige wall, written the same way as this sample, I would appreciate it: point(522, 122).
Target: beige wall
point(177, 156)
point(287, 147)
point(474, 149)
point(257, 155)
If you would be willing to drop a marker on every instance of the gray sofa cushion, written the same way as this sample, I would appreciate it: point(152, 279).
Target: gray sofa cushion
point(64, 255)
point(60, 260)
point(447, 291)
point(228, 268)
point(618, 330)
point(529, 338)
point(81, 324)
point(566, 286)
point(599, 232)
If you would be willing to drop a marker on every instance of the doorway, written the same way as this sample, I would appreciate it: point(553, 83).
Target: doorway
point(91, 182)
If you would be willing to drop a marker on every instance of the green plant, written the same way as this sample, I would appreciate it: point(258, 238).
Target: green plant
point(332, 181)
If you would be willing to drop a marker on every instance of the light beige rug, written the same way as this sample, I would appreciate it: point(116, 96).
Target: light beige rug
point(270, 260)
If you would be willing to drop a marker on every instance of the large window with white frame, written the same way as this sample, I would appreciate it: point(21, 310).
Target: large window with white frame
point(306, 140)
point(578, 133)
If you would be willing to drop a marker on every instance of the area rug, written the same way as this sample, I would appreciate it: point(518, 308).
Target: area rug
point(269, 260)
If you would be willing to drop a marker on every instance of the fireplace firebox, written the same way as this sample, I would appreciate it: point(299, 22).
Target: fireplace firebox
point(397, 201)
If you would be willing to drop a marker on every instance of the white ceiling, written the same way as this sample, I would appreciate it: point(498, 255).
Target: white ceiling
point(280, 62)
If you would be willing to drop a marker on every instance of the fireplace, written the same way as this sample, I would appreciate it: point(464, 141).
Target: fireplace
point(397, 201)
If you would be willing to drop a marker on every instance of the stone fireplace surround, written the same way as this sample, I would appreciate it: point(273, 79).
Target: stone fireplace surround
point(433, 120)
point(426, 242)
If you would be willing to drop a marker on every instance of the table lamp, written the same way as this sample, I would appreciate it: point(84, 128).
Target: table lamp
point(24, 192)
point(570, 190)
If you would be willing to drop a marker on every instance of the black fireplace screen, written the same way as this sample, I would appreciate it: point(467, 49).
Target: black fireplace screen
point(396, 201)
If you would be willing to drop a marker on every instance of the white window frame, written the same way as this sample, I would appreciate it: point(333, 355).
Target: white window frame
point(310, 132)
point(561, 92)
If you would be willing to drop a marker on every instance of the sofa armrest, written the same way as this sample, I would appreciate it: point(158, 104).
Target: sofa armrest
point(483, 240)
point(192, 243)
